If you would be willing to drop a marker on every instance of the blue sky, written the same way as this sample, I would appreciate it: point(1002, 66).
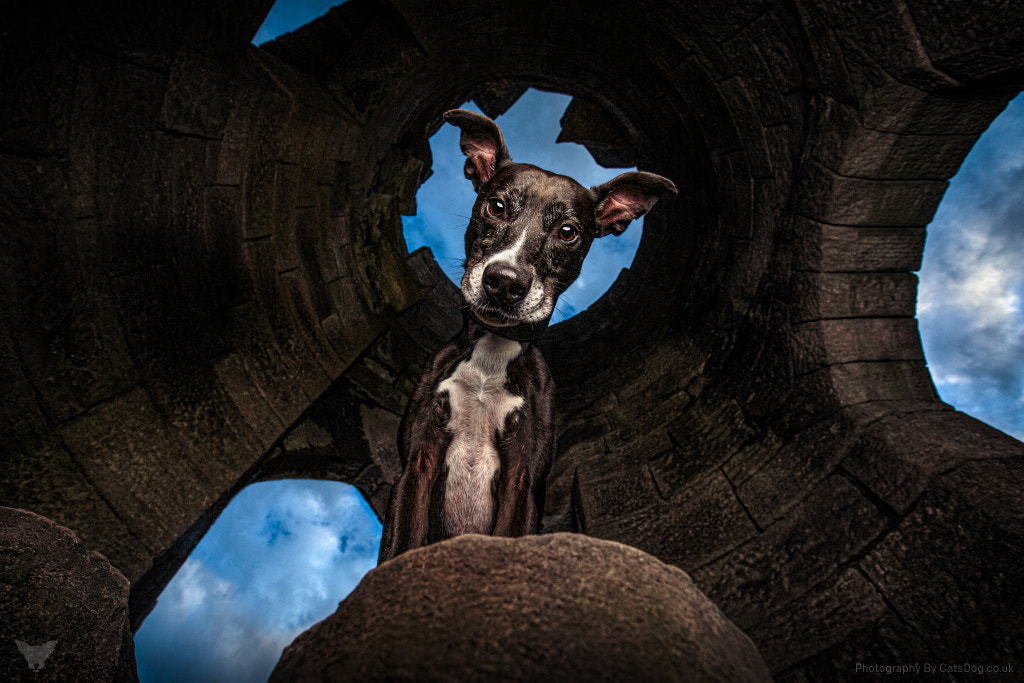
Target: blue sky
point(288, 15)
point(278, 559)
point(971, 299)
point(283, 554)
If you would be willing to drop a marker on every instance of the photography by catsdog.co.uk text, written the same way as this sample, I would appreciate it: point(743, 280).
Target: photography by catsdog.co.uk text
point(933, 668)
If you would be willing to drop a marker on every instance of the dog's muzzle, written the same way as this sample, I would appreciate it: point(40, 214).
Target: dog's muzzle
point(506, 286)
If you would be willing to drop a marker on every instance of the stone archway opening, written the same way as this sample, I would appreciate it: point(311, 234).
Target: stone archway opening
point(971, 298)
point(279, 558)
point(535, 126)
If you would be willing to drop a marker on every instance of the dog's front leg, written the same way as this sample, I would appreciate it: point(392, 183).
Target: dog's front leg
point(407, 521)
point(526, 449)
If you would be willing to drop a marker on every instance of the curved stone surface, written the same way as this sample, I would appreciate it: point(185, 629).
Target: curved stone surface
point(63, 608)
point(552, 607)
point(203, 282)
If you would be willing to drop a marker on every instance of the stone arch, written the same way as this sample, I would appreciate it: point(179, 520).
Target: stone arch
point(206, 284)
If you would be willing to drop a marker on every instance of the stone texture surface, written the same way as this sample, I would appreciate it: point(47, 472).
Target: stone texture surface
point(52, 588)
point(560, 606)
point(203, 282)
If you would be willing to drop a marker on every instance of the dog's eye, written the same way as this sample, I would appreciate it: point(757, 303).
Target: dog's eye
point(568, 233)
point(496, 208)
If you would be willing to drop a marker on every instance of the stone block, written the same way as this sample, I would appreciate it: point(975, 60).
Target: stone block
point(742, 464)
point(737, 204)
point(276, 375)
point(703, 437)
point(381, 51)
point(374, 488)
point(131, 192)
point(961, 41)
point(381, 430)
point(558, 501)
point(898, 456)
point(253, 405)
point(825, 196)
point(200, 88)
point(898, 380)
point(663, 48)
point(585, 122)
point(272, 315)
point(882, 645)
point(171, 347)
point(36, 97)
point(952, 567)
point(224, 232)
point(833, 73)
point(796, 469)
point(775, 35)
point(824, 392)
point(497, 96)
point(644, 414)
point(885, 33)
point(674, 20)
point(792, 557)
point(826, 248)
point(310, 335)
point(126, 452)
point(59, 314)
point(607, 489)
point(285, 215)
point(376, 389)
point(40, 474)
point(842, 144)
point(258, 199)
point(704, 524)
point(771, 109)
point(896, 108)
point(692, 80)
point(739, 98)
point(823, 343)
point(853, 295)
point(818, 621)
point(63, 608)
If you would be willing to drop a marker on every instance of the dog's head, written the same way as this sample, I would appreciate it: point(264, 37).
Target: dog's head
point(531, 229)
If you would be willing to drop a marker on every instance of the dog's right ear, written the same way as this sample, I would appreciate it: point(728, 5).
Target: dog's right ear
point(482, 143)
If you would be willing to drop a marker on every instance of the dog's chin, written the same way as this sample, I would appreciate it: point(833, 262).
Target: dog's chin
point(506, 325)
point(493, 318)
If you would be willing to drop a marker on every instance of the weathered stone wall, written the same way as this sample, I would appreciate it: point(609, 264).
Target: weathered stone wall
point(204, 283)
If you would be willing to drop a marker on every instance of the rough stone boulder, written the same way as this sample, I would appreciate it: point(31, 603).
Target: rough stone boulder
point(63, 608)
point(553, 607)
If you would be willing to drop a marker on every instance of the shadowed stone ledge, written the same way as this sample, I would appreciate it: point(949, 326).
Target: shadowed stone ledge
point(65, 604)
point(552, 607)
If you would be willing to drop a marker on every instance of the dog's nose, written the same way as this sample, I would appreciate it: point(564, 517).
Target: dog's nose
point(506, 285)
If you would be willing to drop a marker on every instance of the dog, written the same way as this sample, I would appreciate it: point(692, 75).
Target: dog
point(478, 435)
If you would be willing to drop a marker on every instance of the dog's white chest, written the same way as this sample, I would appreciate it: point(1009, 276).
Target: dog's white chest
point(479, 404)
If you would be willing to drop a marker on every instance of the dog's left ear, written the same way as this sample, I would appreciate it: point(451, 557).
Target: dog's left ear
point(482, 143)
point(626, 197)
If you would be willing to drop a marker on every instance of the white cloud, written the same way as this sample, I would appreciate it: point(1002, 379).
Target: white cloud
point(278, 559)
point(972, 280)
